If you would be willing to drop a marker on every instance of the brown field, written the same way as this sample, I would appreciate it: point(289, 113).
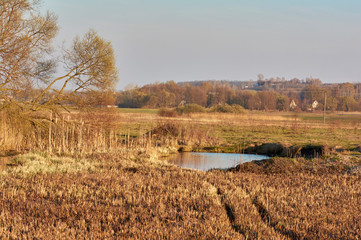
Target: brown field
point(103, 175)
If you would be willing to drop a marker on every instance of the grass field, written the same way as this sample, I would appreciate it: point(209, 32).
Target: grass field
point(137, 110)
point(123, 187)
point(341, 130)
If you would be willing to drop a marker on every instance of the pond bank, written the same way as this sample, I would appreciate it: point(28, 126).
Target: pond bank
point(275, 149)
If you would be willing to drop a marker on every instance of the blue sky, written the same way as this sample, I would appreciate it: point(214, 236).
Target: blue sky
point(187, 40)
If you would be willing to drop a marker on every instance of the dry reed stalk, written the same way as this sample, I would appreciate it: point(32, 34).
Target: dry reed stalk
point(80, 129)
point(3, 133)
point(50, 140)
point(73, 139)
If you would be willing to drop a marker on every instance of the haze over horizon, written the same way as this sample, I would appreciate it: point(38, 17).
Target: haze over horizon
point(159, 40)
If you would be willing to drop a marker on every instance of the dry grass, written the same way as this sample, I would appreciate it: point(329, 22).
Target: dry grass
point(137, 195)
point(306, 205)
point(137, 200)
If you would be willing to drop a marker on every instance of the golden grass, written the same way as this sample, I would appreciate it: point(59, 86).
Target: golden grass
point(137, 195)
point(306, 205)
point(35, 163)
point(122, 201)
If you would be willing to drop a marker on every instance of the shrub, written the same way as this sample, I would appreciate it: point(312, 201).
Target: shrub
point(165, 112)
point(225, 108)
point(190, 108)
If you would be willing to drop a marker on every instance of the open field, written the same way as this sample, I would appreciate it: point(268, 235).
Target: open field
point(116, 182)
point(341, 130)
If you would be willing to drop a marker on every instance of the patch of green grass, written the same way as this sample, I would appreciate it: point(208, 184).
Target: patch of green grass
point(135, 129)
point(138, 110)
point(245, 135)
point(355, 154)
point(333, 118)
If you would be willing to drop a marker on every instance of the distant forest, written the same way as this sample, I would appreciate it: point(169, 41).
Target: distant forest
point(263, 94)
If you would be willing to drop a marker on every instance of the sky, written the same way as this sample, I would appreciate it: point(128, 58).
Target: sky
point(186, 40)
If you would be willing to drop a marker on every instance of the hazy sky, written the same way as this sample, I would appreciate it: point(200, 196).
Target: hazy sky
point(185, 40)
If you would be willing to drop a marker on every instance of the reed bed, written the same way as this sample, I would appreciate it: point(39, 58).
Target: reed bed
point(78, 133)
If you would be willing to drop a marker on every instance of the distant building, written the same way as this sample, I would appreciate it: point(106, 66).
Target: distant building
point(314, 105)
point(182, 103)
point(293, 105)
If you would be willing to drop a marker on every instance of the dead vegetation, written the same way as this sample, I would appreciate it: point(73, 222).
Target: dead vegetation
point(140, 196)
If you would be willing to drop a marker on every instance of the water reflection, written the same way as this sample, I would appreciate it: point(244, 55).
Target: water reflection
point(207, 161)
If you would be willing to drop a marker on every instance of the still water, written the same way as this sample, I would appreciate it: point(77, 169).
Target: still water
point(207, 161)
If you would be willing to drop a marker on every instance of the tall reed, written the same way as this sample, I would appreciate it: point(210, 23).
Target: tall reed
point(69, 135)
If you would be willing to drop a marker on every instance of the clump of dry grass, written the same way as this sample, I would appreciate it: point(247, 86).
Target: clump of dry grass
point(184, 135)
point(36, 163)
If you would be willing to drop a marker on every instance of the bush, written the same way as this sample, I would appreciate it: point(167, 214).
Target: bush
point(190, 108)
point(225, 108)
point(165, 112)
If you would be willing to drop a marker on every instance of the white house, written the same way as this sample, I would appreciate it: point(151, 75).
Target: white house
point(293, 105)
point(314, 104)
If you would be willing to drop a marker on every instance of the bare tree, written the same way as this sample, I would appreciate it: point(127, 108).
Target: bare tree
point(25, 58)
point(25, 38)
point(89, 65)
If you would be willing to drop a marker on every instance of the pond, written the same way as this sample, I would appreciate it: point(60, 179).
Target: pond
point(206, 161)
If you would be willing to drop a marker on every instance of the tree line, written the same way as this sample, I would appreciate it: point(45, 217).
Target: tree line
point(264, 95)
